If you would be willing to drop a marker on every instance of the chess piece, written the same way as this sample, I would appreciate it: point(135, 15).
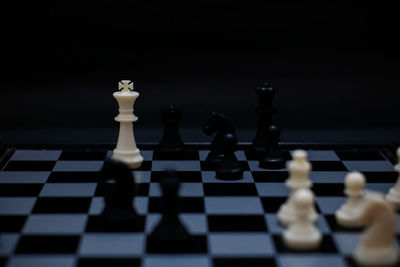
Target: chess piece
point(171, 140)
point(273, 158)
point(265, 111)
point(170, 231)
point(230, 168)
point(377, 244)
point(219, 124)
point(299, 169)
point(302, 234)
point(119, 200)
point(349, 213)
point(394, 193)
point(126, 149)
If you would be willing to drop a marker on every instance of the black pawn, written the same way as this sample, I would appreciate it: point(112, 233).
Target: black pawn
point(170, 231)
point(273, 158)
point(119, 199)
point(265, 111)
point(171, 140)
point(230, 168)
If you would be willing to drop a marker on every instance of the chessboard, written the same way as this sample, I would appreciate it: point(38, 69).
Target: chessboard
point(50, 202)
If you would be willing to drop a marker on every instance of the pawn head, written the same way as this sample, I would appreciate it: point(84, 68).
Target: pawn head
point(303, 198)
point(274, 131)
point(355, 181)
point(300, 155)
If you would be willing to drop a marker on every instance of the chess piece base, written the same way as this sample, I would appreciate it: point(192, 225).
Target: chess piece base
point(275, 163)
point(306, 242)
point(349, 220)
point(376, 256)
point(132, 158)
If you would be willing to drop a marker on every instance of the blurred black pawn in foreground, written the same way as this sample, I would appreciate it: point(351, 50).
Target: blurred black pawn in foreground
point(224, 129)
point(171, 140)
point(229, 168)
point(169, 233)
point(273, 157)
point(119, 199)
point(265, 111)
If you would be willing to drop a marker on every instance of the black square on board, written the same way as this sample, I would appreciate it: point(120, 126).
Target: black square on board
point(62, 205)
point(272, 204)
point(186, 205)
point(359, 155)
point(141, 189)
point(270, 177)
point(381, 177)
point(30, 165)
point(230, 189)
point(146, 166)
point(236, 223)
point(205, 166)
point(196, 244)
point(327, 246)
point(99, 224)
point(321, 166)
point(328, 189)
point(3, 261)
point(23, 190)
point(240, 262)
point(12, 223)
point(107, 262)
point(83, 155)
point(184, 176)
point(74, 177)
point(182, 155)
point(44, 244)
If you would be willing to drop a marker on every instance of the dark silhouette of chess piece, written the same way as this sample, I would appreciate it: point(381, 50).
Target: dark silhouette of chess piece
point(119, 200)
point(219, 124)
point(265, 111)
point(171, 140)
point(170, 232)
point(230, 168)
point(273, 158)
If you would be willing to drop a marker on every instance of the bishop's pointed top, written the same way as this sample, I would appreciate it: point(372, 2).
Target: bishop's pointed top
point(125, 86)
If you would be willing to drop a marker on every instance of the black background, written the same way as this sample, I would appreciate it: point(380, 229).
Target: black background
point(336, 64)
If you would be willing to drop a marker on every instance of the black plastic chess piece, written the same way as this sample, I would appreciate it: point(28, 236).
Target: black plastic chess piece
point(273, 158)
point(170, 231)
point(171, 140)
point(223, 127)
point(119, 200)
point(230, 168)
point(265, 111)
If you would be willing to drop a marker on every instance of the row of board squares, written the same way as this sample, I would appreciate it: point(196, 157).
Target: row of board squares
point(56, 160)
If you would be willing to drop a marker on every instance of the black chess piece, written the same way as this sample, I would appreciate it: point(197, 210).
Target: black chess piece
point(273, 158)
point(223, 127)
point(171, 140)
point(230, 168)
point(170, 232)
point(265, 111)
point(119, 199)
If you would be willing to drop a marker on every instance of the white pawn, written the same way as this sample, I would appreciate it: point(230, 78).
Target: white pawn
point(377, 244)
point(394, 193)
point(302, 234)
point(299, 169)
point(349, 214)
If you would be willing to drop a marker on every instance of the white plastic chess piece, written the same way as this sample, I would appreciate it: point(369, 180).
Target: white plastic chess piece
point(394, 193)
point(299, 169)
point(377, 243)
point(302, 234)
point(126, 149)
point(349, 214)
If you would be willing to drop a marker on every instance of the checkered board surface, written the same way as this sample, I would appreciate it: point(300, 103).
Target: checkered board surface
point(50, 204)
